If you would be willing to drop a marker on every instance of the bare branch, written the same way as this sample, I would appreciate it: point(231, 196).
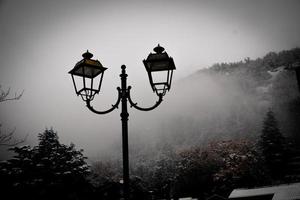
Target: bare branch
point(5, 93)
point(8, 139)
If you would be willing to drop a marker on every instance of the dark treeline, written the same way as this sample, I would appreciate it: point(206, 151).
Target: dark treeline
point(52, 170)
point(241, 135)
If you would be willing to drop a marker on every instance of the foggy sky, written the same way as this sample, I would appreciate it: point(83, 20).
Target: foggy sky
point(42, 40)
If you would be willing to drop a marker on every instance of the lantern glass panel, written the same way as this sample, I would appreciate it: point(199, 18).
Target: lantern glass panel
point(88, 83)
point(160, 77)
point(78, 83)
point(97, 82)
point(87, 87)
point(160, 88)
point(87, 92)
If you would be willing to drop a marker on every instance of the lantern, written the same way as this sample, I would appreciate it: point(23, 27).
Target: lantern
point(160, 68)
point(87, 77)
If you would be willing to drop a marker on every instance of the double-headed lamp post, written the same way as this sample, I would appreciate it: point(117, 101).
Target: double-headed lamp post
point(87, 78)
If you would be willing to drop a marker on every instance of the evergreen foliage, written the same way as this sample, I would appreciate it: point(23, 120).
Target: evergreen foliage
point(47, 171)
point(273, 147)
point(221, 167)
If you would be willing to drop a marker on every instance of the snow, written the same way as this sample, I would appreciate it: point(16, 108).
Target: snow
point(280, 192)
point(4, 162)
point(276, 71)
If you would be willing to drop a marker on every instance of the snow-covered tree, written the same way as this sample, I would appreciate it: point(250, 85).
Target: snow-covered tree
point(236, 170)
point(220, 167)
point(48, 170)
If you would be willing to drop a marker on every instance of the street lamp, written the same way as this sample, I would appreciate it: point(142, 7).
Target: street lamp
point(160, 70)
point(87, 69)
point(159, 67)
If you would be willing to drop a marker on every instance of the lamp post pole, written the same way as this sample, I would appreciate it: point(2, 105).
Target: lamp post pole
point(124, 119)
point(124, 97)
point(89, 69)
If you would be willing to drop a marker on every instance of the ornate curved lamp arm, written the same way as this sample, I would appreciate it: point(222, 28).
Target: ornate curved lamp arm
point(144, 109)
point(88, 104)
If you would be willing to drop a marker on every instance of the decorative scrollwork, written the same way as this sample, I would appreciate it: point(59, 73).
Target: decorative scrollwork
point(88, 104)
point(132, 104)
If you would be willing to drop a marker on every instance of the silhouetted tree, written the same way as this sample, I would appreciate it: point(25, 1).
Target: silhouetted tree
point(219, 168)
point(195, 172)
point(106, 171)
point(237, 158)
point(272, 145)
point(49, 170)
point(294, 113)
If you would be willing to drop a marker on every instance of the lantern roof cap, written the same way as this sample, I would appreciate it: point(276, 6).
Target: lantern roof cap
point(160, 54)
point(159, 61)
point(87, 62)
point(87, 55)
point(158, 49)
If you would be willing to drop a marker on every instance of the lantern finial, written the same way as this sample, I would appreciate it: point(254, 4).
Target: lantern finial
point(87, 55)
point(159, 49)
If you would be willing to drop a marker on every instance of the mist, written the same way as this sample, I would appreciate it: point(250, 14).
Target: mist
point(42, 40)
point(212, 106)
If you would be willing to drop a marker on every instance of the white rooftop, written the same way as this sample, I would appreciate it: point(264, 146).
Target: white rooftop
point(280, 192)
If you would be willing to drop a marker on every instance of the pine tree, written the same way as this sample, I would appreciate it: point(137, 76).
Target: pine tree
point(49, 170)
point(272, 145)
point(58, 162)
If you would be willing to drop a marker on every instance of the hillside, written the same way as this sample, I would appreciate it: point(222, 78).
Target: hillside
point(223, 102)
point(227, 101)
point(271, 80)
point(214, 118)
